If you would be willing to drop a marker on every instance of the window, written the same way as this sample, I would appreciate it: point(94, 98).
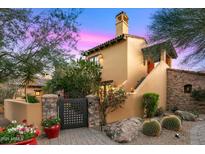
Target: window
point(94, 59)
point(187, 88)
point(37, 92)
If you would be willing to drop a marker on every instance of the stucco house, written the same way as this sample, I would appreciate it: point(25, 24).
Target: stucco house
point(131, 62)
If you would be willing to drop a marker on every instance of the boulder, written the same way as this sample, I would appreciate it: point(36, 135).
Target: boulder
point(125, 130)
point(187, 116)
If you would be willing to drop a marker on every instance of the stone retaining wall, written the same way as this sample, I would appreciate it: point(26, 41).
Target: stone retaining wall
point(176, 97)
point(93, 111)
point(49, 105)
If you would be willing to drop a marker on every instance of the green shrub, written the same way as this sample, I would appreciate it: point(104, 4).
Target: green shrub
point(50, 122)
point(7, 92)
point(195, 112)
point(151, 128)
point(77, 78)
point(32, 99)
point(174, 109)
point(199, 94)
point(171, 122)
point(150, 103)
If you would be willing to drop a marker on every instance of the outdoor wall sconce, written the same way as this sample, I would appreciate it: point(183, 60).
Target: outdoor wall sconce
point(100, 57)
point(37, 93)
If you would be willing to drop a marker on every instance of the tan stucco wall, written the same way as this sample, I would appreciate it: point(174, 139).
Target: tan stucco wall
point(123, 62)
point(114, 62)
point(20, 110)
point(121, 28)
point(135, 62)
point(154, 82)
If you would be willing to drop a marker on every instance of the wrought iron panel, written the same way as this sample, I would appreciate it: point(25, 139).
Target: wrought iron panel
point(73, 113)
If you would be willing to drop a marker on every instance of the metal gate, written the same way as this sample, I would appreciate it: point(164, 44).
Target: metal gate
point(73, 113)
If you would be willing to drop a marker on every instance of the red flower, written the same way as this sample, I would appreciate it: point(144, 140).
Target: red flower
point(38, 132)
point(1, 129)
point(23, 129)
point(24, 121)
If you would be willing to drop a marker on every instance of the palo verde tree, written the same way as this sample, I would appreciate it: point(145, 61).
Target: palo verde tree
point(50, 35)
point(185, 28)
point(13, 26)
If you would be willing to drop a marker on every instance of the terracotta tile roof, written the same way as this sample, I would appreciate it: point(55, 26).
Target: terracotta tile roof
point(153, 50)
point(110, 43)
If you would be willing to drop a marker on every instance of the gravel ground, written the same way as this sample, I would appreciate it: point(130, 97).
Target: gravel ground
point(167, 137)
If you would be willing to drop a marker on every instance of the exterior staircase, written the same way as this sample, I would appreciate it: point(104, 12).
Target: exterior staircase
point(139, 82)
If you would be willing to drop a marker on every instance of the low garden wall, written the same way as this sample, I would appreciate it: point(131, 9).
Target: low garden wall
point(19, 110)
point(34, 112)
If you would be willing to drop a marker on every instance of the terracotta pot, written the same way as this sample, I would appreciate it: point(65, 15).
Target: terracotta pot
point(53, 131)
point(31, 141)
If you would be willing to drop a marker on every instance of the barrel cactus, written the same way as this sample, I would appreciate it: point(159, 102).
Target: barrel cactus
point(151, 128)
point(171, 122)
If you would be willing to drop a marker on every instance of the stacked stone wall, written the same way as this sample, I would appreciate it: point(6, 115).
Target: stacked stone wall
point(177, 97)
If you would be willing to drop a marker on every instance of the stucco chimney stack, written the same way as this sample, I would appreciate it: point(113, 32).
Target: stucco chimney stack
point(121, 23)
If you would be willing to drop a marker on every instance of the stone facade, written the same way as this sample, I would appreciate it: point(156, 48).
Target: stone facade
point(93, 111)
point(177, 96)
point(49, 105)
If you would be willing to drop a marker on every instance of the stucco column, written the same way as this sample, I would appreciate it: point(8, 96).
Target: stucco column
point(163, 56)
point(49, 105)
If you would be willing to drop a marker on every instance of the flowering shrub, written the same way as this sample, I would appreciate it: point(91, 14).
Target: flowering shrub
point(114, 99)
point(50, 122)
point(14, 132)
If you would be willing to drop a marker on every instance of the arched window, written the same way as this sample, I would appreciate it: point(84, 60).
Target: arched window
point(187, 88)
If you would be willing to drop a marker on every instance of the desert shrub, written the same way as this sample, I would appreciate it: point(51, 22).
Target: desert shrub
point(198, 94)
point(150, 103)
point(195, 112)
point(174, 109)
point(7, 92)
point(151, 128)
point(171, 122)
point(114, 99)
point(32, 99)
point(159, 111)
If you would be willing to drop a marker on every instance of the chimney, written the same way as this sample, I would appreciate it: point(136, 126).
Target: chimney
point(121, 23)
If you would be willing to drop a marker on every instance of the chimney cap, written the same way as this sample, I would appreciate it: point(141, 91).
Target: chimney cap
point(122, 12)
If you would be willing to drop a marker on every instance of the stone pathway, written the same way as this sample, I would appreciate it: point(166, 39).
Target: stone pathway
point(197, 134)
point(78, 136)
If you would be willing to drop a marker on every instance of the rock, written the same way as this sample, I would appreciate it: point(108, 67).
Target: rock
point(186, 115)
point(200, 119)
point(125, 130)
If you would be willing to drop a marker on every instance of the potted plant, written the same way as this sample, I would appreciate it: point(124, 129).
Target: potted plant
point(19, 134)
point(51, 127)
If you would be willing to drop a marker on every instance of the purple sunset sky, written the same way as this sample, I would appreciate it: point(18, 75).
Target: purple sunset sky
point(98, 25)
